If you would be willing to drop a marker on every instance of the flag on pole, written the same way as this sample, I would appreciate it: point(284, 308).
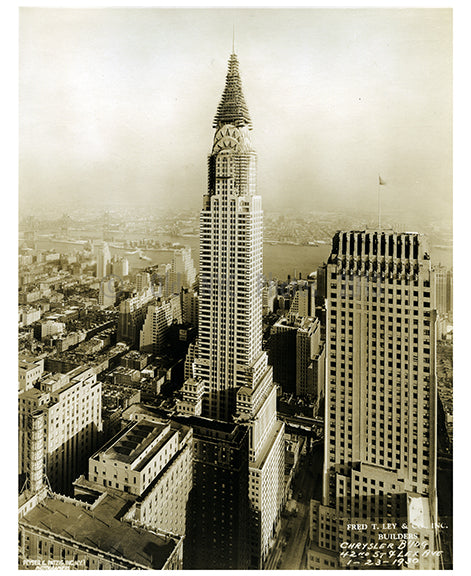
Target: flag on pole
point(381, 181)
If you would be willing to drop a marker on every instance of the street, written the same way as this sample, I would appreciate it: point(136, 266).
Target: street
point(288, 552)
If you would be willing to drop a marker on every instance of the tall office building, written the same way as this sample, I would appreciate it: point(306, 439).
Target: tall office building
point(182, 273)
point(107, 292)
point(303, 299)
point(444, 289)
point(282, 353)
point(296, 353)
point(143, 281)
point(69, 406)
point(380, 403)
point(189, 303)
point(159, 317)
point(310, 358)
point(103, 260)
point(133, 311)
point(119, 267)
point(230, 361)
point(218, 511)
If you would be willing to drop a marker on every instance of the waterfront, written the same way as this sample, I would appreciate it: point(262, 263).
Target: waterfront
point(279, 260)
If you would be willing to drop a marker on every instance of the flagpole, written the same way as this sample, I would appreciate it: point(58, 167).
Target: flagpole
point(379, 202)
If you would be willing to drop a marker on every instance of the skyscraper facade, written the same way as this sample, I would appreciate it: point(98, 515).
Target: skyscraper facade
point(133, 311)
point(69, 405)
point(103, 260)
point(444, 289)
point(230, 361)
point(159, 317)
point(230, 332)
point(218, 512)
point(380, 398)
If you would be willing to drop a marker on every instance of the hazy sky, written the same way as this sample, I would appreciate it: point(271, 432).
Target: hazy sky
point(116, 105)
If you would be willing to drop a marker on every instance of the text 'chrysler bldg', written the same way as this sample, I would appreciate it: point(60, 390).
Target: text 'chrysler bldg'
point(232, 380)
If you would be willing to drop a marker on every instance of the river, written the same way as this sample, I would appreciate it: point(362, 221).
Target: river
point(279, 260)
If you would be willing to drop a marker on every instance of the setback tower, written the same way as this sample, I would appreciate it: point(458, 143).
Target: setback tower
point(380, 405)
point(230, 362)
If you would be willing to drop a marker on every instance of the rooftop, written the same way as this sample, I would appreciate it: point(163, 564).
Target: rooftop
point(27, 365)
point(135, 410)
point(98, 528)
point(129, 445)
point(206, 428)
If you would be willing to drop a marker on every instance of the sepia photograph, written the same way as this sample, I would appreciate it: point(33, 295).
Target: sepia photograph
point(235, 288)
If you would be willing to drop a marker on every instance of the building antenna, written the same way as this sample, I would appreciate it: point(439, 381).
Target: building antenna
point(233, 38)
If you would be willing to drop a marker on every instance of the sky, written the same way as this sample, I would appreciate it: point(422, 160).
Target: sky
point(116, 105)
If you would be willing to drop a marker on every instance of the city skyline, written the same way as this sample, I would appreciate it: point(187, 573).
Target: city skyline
point(360, 92)
point(362, 429)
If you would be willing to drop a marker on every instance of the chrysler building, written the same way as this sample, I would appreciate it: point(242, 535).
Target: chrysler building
point(232, 380)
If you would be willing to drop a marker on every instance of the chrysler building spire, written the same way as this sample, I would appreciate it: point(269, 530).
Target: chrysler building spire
point(232, 109)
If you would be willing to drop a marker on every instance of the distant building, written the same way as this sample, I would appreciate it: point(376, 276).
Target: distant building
point(50, 327)
point(310, 359)
point(269, 295)
point(296, 353)
point(103, 260)
point(303, 303)
point(28, 315)
point(190, 308)
point(66, 341)
point(443, 289)
point(135, 360)
point(107, 292)
point(119, 267)
point(29, 296)
point(132, 313)
point(182, 273)
point(159, 317)
point(125, 376)
point(143, 282)
point(282, 354)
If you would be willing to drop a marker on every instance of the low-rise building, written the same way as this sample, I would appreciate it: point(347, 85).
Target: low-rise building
point(30, 370)
point(191, 402)
point(28, 315)
point(70, 533)
point(151, 459)
point(135, 360)
point(50, 327)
